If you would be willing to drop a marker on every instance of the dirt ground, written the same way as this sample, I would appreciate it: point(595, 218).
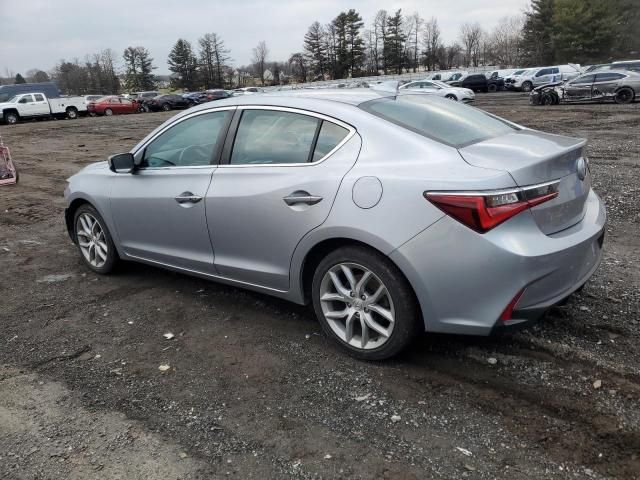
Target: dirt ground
point(255, 391)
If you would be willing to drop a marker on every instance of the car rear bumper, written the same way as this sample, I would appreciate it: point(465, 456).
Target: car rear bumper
point(464, 280)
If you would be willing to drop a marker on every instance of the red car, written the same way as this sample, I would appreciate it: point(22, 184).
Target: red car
point(112, 105)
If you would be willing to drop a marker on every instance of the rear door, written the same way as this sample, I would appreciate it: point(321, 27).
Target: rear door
point(606, 83)
point(280, 174)
point(41, 105)
point(159, 211)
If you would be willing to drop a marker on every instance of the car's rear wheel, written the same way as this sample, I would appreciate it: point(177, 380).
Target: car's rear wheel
point(108, 112)
point(364, 302)
point(94, 240)
point(166, 107)
point(451, 96)
point(527, 86)
point(72, 113)
point(624, 95)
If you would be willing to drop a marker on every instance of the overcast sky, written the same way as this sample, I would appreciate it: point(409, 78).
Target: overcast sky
point(38, 33)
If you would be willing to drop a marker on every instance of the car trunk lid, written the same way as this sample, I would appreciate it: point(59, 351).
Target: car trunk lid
point(535, 157)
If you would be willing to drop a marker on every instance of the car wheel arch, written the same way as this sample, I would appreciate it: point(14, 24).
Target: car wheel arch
point(320, 250)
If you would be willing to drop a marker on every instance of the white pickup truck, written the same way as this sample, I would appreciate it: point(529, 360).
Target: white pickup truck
point(37, 105)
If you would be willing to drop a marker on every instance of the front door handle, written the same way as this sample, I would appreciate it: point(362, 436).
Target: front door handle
point(188, 197)
point(302, 197)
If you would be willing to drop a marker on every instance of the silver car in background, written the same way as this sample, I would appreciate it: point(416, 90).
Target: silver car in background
point(441, 89)
point(390, 214)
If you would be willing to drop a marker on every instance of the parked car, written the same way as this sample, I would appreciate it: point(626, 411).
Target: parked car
point(448, 77)
point(217, 94)
point(478, 82)
point(441, 89)
point(542, 76)
point(633, 65)
point(399, 207)
point(510, 80)
point(169, 102)
point(49, 89)
point(617, 85)
point(37, 105)
point(113, 105)
point(592, 68)
point(251, 90)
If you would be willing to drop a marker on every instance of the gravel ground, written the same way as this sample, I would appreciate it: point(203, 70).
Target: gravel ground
point(253, 389)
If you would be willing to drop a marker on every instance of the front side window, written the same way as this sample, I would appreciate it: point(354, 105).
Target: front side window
point(585, 79)
point(273, 137)
point(437, 118)
point(189, 143)
point(544, 71)
point(26, 99)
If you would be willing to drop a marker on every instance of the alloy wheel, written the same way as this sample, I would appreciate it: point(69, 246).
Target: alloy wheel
point(92, 240)
point(357, 306)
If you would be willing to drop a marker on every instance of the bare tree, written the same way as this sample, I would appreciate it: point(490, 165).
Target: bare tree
point(213, 58)
point(506, 41)
point(431, 43)
point(260, 55)
point(470, 35)
point(380, 39)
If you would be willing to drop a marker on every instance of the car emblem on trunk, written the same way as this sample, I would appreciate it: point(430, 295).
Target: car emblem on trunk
point(581, 165)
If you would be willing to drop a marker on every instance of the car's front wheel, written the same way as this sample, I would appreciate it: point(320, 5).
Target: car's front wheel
point(364, 302)
point(527, 86)
point(94, 240)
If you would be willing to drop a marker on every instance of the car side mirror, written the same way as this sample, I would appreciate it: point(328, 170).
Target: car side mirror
point(122, 163)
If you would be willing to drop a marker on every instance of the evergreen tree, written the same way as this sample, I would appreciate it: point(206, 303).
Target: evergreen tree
point(349, 45)
point(19, 79)
point(537, 45)
point(585, 31)
point(394, 43)
point(213, 60)
point(182, 62)
point(138, 69)
point(315, 49)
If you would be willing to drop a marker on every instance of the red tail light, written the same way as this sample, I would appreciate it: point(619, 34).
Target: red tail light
point(482, 211)
point(508, 312)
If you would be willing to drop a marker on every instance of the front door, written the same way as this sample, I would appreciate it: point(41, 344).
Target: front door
point(159, 211)
point(277, 182)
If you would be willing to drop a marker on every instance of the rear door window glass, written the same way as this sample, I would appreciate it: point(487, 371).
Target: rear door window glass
point(39, 98)
point(586, 79)
point(329, 137)
point(608, 77)
point(273, 137)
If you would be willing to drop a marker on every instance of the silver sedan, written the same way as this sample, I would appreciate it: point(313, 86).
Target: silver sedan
point(391, 214)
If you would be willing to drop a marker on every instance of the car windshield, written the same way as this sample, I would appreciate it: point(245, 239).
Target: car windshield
point(14, 99)
point(440, 84)
point(440, 119)
point(519, 72)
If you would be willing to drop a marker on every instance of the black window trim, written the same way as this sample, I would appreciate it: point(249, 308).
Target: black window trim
point(233, 130)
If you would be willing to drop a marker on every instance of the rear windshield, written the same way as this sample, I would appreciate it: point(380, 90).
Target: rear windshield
point(440, 119)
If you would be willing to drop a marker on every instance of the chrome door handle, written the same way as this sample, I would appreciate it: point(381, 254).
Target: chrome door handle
point(188, 197)
point(296, 198)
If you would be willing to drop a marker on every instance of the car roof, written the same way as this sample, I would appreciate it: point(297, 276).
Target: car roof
point(351, 96)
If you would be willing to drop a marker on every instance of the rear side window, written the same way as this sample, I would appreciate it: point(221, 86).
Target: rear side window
point(440, 119)
point(608, 77)
point(39, 98)
point(329, 137)
point(273, 137)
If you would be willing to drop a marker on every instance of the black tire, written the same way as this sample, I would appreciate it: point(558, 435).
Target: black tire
point(112, 255)
point(165, 107)
point(11, 118)
point(451, 96)
point(492, 88)
point(72, 113)
point(93, 114)
point(407, 325)
point(624, 96)
point(527, 86)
